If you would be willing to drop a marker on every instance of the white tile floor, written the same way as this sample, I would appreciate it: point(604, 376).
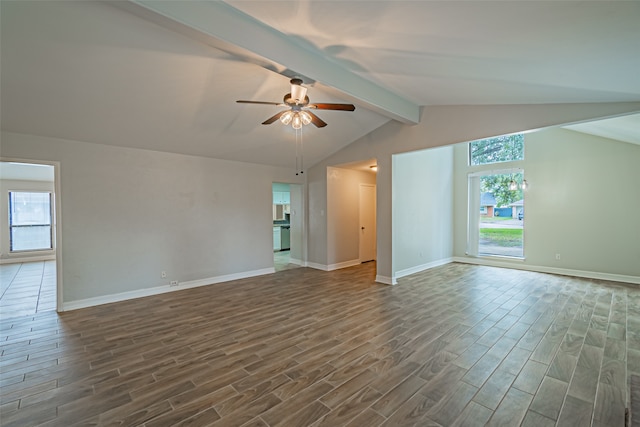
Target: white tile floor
point(27, 288)
point(281, 261)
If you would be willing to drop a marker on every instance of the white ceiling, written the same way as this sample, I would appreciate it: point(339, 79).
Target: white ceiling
point(165, 75)
point(625, 128)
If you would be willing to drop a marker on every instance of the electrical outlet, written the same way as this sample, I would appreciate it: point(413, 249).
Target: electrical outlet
point(174, 283)
point(163, 274)
point(557, 256)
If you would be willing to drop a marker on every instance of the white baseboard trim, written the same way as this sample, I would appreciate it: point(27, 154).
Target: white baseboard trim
point(553, 270)
point(422, 267)
point(140, 293)
point(317, 266)
point(345, 264)
point(225, 278)
point(332, 267)
point(18, 260)
point(386, 280)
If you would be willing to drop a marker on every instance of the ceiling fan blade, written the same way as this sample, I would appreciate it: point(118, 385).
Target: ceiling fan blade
point(341, 107)
point(280, 104)
point(317, 121)
point(274, 118)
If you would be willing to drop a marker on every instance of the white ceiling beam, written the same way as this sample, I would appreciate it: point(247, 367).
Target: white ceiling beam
point(227, 28)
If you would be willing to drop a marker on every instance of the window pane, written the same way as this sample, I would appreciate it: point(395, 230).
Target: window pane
point(494, 150)
point(31, 238)
point(30, 208)
point(30, 220)
point(501, 221)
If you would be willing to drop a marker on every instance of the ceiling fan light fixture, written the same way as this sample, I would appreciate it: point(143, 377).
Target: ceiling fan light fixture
point(286, 118)
point(296, 122)
point(296, 102)
point(305, 117)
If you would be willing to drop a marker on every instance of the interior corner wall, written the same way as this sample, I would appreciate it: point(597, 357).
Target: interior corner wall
point(7, 185)
point(422, 209)
point(129, 214)
point(343, 214)
point(582, 203)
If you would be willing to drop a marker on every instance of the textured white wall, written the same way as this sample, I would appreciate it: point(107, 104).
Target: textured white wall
point(129, 214)
point(422, 207)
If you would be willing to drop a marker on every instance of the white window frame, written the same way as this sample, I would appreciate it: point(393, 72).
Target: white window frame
point(50, 225)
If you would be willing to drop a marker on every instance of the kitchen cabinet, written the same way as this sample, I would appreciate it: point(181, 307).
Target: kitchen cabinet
point(281, 198)
point(277, 245)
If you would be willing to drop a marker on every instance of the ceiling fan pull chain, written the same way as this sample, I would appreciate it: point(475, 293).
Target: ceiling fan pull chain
point(296, 152)
point(301, 154)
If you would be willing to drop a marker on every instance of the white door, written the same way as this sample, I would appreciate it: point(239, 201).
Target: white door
point(367, 222)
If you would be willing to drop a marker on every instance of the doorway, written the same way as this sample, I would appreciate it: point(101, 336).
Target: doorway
point(287, 226)
point(29, 225)
point(367, 222)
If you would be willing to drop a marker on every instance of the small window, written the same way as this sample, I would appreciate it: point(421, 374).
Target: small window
point(494, 150)
point(30, 221)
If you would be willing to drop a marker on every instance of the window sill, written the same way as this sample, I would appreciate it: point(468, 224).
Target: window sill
point(498, 257)
point(501, 257)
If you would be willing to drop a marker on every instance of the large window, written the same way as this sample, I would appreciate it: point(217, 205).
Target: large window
point(500, 230)
point(30, 221)
point(496, 198)
point(499, 149)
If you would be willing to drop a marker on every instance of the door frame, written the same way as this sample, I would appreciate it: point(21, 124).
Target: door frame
point(301, 214)
point(57, 204)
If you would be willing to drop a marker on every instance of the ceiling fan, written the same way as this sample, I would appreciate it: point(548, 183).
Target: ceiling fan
point(298, 113)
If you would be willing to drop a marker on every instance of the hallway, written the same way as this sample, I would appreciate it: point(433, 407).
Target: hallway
point(27, 288)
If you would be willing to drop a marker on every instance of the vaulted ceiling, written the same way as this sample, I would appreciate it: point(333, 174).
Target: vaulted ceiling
point(165, 75)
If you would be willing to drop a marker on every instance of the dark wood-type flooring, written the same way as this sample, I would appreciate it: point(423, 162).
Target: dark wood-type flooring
point(456, 345)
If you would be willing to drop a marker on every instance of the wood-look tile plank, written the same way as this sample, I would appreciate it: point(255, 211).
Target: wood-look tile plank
point(450, 408)
point(395, 397)
point(584, 381)
point(351, 408)
point(133, 417)
point(473, 415)
point(249, 411)
point(491, 393)
point(512, 409)
point(575, 412)
point(412, 412)
point(349, 388)
point(533, 419)
point(296, 401)
point(548, 400)
point(610, 405)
